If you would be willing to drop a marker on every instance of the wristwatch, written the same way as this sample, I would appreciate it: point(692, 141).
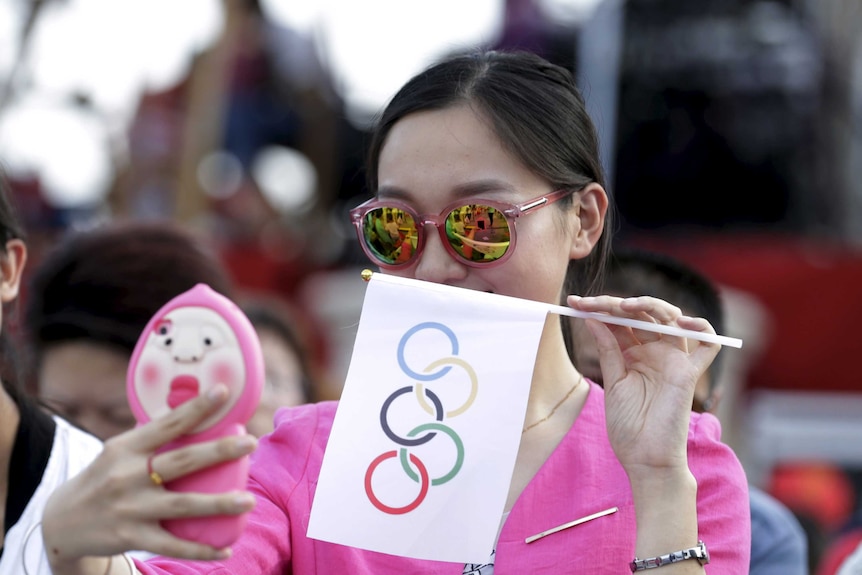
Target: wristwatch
point(698, 552)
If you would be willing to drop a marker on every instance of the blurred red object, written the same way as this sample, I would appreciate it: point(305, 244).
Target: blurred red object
point(810, 289)
point(819, 490)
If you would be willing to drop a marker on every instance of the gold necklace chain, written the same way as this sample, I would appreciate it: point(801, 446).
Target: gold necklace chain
point(556, 407)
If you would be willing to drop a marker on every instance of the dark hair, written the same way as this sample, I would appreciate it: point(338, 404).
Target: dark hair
point(536, 110)
point(105, 284)
point(10, 229)
point(634, 272)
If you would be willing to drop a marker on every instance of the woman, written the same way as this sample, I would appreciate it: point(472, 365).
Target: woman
point(509, 133)
point(38, 452)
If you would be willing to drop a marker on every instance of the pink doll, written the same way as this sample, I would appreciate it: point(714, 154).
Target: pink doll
point(197, 340)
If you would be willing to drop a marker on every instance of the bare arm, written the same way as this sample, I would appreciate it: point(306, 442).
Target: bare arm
point(649, 383)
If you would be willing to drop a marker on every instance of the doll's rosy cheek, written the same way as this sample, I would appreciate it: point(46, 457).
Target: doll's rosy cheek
point(226, 373)
point(151, 374)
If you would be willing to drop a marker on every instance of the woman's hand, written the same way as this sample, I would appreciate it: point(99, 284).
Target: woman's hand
point(114, 506)
point(649, 380)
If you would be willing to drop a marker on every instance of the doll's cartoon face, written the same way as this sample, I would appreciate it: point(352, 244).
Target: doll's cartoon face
point(188, 351)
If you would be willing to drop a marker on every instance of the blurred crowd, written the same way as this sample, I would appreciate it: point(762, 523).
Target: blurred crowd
point(733, 131)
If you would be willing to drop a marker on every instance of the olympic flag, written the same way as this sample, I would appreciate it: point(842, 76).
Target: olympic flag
point(424, 441)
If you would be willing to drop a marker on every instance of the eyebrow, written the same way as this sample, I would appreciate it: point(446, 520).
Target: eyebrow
point(465, 190)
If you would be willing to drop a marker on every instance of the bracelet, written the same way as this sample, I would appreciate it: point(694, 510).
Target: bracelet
point(699, 552)
point(24, 545)
point(132, 569)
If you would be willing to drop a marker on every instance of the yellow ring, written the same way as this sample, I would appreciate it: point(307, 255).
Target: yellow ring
point(154, 475)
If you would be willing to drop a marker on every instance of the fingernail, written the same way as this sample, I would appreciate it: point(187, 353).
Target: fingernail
point(244, 501)
point(246, 443)
point(217, 392)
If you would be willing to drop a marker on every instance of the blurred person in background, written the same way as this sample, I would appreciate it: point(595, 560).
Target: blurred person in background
point(779, 543)
point(631, 273)
point(87, 303)
point(38, 451)
point(292, 374)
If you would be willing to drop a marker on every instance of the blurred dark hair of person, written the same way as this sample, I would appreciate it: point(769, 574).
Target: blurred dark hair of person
point(88, 301)
point(633, 272)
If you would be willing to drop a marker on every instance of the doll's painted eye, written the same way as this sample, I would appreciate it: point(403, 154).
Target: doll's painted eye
point(163, 327)
point(211, 337)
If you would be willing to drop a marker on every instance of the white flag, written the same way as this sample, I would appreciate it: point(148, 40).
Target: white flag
point(427, 430)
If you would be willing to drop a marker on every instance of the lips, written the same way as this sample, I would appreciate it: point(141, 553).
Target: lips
point(183, 388)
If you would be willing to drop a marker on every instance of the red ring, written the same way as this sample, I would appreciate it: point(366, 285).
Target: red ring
point(423, 491)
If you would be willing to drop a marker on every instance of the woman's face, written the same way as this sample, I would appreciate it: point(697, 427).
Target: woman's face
point(433, 158)
point(86, 383)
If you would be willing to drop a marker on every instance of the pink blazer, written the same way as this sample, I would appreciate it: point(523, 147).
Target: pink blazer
point(581, 477)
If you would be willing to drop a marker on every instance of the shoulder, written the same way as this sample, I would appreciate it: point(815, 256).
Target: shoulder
point(773, 525)
point(306, 418)
point(292, 454)
point(705, 444)
point(300, 432)
point(772, 515)
point(709, 457)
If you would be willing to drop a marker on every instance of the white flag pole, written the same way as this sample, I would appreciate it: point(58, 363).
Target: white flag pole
point(367, 275)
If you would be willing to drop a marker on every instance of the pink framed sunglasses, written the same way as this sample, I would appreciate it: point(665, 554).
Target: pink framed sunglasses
point(478, 234)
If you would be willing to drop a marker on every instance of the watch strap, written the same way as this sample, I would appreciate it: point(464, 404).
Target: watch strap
point(698, 552)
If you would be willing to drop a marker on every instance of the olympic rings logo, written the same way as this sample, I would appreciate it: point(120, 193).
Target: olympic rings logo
point(422, 434)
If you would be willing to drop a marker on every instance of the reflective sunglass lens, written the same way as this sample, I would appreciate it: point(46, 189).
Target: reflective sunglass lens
point(390, 234)
point(478, 233)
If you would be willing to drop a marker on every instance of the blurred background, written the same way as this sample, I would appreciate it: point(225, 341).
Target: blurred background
point(731, 134)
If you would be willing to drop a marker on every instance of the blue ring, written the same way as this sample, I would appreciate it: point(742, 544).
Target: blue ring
point(426, 325)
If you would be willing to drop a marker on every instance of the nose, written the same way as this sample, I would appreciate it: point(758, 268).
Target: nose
point(187, 348)
point(435, 263)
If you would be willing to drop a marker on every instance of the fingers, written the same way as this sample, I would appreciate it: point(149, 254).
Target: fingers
point(644, 308)
point(608, 349)
point(175, 505)
point(183, 549)
point(183, 419)
point(160, 542)
point(178, 422)
point(182, 461)
point(704, 353)
point(626, 348)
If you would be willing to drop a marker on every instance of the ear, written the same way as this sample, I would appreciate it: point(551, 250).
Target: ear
point(591, 205)
point(11, 267)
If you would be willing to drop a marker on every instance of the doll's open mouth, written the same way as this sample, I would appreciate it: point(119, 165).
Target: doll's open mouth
point(183, 388)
